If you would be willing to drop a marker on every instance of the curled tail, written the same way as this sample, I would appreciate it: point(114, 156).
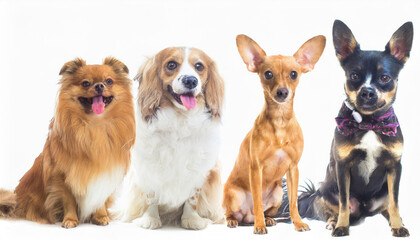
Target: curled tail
point(7, 203)
point(306, 202)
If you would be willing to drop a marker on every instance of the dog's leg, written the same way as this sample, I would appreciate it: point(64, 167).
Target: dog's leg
point(393, 178)
point(100, 217)
point(190, 218)
point(210, 199)
point(150, 218)
point(275, 202)
point(343, 181)
point(256, 189)
point(70, 208)
point(233, 200)
point(292, 190)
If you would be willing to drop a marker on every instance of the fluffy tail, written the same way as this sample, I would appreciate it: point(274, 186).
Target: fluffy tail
point(306, 202)
point(7, 204)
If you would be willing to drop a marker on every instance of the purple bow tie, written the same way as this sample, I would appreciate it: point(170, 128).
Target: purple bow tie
point(386, 124)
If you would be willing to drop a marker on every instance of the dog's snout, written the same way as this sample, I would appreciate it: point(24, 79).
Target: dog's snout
point(282, 93)
point(99, 88)
point(190, 82)
point(367, 94)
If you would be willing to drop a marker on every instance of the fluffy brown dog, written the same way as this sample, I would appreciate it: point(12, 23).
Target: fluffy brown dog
point(87, 152)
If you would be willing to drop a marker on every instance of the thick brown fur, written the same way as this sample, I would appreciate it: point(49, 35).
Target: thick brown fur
point(274, 145)
point(80, 146)
point(8, 203)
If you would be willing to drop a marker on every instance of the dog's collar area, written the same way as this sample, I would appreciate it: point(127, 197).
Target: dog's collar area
point(356, 115)
point(350, 121)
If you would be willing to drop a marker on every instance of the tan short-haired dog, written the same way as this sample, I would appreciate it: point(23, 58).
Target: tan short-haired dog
point(274, 145)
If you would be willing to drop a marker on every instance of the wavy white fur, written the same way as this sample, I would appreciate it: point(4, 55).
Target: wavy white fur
point(172, 157)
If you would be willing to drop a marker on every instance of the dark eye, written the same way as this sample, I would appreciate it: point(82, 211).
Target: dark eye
point(385, 78)
point(109, 82)
point(171, 65)
point(293, 75)
point(199, 67)
point(354, 76)
point(86, 84)
point(268, 75)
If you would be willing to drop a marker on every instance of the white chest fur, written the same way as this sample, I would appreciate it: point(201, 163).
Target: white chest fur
point(373, 147)
point(174, 153)
point(98, 191)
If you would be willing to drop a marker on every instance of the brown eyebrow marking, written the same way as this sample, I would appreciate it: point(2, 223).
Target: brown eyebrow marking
point(380, 67)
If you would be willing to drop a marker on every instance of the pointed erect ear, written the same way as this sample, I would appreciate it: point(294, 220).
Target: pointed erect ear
point(251, 53)
point(344, 42)
point(400, 43)
point(72, 66)
point(310, 52)
point(117, 65)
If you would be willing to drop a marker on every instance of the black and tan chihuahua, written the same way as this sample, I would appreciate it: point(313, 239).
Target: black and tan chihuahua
point(365, 167)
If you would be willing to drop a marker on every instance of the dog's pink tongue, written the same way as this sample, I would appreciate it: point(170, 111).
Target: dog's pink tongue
point(98, 105)
point(188, 101)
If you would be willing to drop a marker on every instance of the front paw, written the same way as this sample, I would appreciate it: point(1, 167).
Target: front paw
point(301, 227)
point(69, 223)
point(148, 222)
point(340, 231)
point(260, 230)
point(330, 225)
point(100, 220)
point(194, 223)
point(269, 222)
point(400, 232)
point(232, 223)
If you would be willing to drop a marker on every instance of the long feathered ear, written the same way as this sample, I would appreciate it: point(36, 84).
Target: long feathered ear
point(116, 65)
point(150, 88)
point(72, 66)
point(214, 91)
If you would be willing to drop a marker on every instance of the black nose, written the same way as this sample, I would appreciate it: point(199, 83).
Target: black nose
point(99, 88)
point(367, 94)
point(190, 82)
point(282, 93)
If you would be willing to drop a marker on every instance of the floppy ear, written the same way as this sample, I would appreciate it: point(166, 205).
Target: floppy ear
point(150, 88)
point(250, 51)
point(214, 91)
point(72, 66)
point(344, 42)
point(310, 52)
point(116, 65)
point(400, 44)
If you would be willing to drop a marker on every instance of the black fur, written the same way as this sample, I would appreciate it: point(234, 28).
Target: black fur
point(377, 71)
point(305, 202)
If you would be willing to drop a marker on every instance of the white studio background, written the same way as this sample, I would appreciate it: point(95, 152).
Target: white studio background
point(38, 37)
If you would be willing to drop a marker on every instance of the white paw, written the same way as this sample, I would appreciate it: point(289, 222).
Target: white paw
point(148, 222)
point(194, 223)
point(330, 225)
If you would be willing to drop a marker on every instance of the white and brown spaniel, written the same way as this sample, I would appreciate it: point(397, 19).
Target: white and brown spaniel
point(175, 174)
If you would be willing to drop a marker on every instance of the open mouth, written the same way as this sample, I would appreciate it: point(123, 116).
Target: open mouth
point(97, 103)
point(187, 99)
